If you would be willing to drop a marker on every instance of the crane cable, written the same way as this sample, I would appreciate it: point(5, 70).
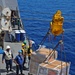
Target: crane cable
point(53, 51)
point(41, 43)
point(62, 48)
point(61, 58)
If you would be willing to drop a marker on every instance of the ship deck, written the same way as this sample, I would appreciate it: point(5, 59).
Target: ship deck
point(14, 47)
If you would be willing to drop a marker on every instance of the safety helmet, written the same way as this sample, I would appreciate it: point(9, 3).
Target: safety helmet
point(22, 44)
point(8, 47)
point(20, 51)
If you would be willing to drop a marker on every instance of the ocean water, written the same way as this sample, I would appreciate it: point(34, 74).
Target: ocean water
point(36, 16)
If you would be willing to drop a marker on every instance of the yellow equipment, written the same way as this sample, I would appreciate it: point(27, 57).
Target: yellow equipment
point(57, 23)
point(29, 54)
point(23, 44)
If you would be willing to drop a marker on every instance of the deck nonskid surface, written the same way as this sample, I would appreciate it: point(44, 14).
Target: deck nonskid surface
point(14, 47)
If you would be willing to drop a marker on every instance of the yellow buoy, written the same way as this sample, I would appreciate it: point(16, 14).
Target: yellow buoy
point(57, 23)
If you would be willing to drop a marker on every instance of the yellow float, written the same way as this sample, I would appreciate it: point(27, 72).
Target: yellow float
point(57, 23)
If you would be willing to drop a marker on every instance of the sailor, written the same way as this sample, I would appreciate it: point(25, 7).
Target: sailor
point(10, 36)
point(8, 56)
point(13, 19)
point(19, 59)
point(2, 34)
point(29, 51)
point(29, 54)
point(18, 23)
point(24, 53)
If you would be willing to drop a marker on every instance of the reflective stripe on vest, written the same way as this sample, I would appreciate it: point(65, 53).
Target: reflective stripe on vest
point(8, 55)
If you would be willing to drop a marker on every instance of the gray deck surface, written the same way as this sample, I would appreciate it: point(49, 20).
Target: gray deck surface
point(14, 47)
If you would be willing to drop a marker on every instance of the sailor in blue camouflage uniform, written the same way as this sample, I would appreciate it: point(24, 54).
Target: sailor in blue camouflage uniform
point(19, 59)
